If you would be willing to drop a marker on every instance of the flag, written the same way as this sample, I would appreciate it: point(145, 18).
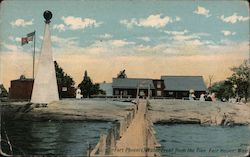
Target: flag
point(30, 36)
point(24, 41)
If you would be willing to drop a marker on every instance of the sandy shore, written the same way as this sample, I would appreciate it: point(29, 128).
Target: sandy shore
point(161, 111)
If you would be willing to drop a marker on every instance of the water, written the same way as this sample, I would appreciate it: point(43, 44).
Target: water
point(72, 138)
point(195, 140)
point(61, 138)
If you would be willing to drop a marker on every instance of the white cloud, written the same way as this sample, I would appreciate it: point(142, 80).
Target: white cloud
point(17, 39)
point(121, 43)
point(75, 23)
point(106, 36)
point(21, 23)
point(154, 21)
point(202, 11)
point(112, 43)
point(59, 27)
point(177, 18)
point(11, 47)
point(176, 32)
point(129, 23)
point(227, 33)
point(145, 38)
point(63, 42)
point(234, 18)
point(184, 37)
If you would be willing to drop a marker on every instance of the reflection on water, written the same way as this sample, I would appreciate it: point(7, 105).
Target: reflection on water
point(194, 140)
point(67, 138)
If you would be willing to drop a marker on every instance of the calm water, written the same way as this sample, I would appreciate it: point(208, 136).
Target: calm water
point(195, 140)
point(72, 138)
point(62, 138)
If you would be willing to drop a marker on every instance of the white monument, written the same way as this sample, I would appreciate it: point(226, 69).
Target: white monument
point(45, 87)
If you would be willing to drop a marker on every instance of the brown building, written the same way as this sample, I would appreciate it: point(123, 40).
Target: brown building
point(21, 89)
point(127, 87)
point(159, 88)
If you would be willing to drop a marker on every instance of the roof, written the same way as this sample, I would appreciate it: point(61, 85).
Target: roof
point(184, 83)
point(132, 83)
point(107, 87)
point(21, 80)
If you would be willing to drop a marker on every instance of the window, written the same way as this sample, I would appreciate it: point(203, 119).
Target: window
point(64, 89)
point(125, 92)
point(170, 93)
point(158, 93)
point(185, 93)
point(116, 92)
point(142, 93)
point(159, 84)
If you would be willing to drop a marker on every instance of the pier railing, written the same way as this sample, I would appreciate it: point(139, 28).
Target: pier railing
point(151, 134)
point(108, 140)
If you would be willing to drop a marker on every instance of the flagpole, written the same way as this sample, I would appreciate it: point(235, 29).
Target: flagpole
point(34, 54)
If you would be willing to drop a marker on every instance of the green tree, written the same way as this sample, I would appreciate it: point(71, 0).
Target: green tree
point(241, 80)
point(3, 91)
point(122, 74)
point(63, 78)
point(87, 87)
point(223, 89)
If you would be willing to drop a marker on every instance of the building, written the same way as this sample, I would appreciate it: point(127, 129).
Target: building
point(177, 87)
point(127, 87)
point(21, 89)
point(159, 88)
point(66, 91)
point(107, 88)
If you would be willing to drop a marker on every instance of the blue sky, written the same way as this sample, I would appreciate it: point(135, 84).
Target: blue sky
point(124, 31)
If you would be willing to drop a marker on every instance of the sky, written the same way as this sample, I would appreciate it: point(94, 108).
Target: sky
point(148, 38)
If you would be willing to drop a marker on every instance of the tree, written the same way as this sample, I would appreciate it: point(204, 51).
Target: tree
point(3, 91)
point(237, 85)
point(241, 80)
point(223, 89)
point(63, 78)
point(87, 87)
point(122, 74)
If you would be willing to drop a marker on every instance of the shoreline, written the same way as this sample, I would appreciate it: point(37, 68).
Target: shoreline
point(167, 112)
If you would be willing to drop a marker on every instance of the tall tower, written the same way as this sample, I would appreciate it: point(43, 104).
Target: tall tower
point(45, 87)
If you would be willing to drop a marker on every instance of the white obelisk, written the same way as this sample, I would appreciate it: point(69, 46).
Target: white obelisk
point(45, 88)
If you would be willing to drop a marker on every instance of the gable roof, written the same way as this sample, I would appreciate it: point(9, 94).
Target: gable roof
point(132, 83)
point(184, 83)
